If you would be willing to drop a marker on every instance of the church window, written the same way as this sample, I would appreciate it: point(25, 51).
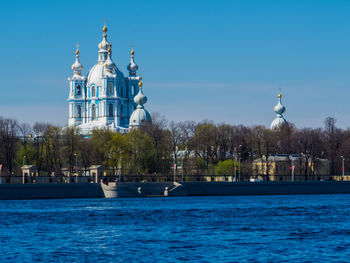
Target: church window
point(110, 110)
point(110, 88)
point(93, 92)
point(133, 90)
point(79, 111)
point(121, 92)
point(78, 90)
point(93, 111)
point(121, 110)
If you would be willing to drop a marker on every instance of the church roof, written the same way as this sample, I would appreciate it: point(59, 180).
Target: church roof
point(140, 115)
point(279, 109)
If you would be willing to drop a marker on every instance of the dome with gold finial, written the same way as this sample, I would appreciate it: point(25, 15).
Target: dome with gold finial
point(132, 67)
point(109, 64)
point(140, 98)
point(77, 66)
point(105, 66)
point(104, 44)
point(279, 109)
point(140, 115)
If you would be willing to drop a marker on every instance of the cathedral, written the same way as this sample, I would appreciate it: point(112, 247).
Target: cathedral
point(105, 98)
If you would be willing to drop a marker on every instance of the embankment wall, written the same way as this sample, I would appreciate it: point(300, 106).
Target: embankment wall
point(49, 191)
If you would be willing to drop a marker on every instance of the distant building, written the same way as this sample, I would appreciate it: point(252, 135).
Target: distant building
point(279, 167)
point(105, 98)
point(279, 109)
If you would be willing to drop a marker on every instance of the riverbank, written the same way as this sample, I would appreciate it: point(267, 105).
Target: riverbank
point(224, 188)
point(167, 189)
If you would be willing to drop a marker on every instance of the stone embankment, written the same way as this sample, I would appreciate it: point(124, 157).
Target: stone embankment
point(113, 190)
point(50, 191)
point(224, 188)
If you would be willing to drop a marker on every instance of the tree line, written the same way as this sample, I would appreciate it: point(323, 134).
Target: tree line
point(197, 148)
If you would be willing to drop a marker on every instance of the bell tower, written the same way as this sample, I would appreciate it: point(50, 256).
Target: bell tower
point(77, 93)
point(132, 83)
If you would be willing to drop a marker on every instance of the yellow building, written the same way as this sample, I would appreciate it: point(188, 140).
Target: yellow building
point(282, 167)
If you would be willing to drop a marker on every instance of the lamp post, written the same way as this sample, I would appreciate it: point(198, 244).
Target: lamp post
point(292, 167)
point(175, 153)
point(182, 168)
point(76, 162)
point(234, 163)
point(239, 171)
point(240, 159)
point(342, 167)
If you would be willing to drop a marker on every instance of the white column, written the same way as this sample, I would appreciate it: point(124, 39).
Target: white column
point(71, 110)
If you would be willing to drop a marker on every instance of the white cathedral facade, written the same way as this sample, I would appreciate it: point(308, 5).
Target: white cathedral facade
point(105, 98)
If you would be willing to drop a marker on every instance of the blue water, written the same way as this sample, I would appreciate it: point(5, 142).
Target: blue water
point(313, 228)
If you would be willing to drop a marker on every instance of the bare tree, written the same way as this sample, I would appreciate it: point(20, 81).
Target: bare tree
point(39, 130)
point(332, 139)
point(8, 143)
point(25, 131)
point(161, 141)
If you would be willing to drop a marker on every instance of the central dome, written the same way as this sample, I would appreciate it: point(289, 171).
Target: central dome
point(96, 75)
point(98, 72)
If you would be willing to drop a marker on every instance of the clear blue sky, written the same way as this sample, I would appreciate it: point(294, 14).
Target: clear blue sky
point(219, 60)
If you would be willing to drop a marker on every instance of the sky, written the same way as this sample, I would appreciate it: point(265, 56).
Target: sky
point(224, 61)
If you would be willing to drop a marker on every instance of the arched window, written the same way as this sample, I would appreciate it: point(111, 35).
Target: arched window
point(121, 110)
point(79, 111)
point(110, 110)
point(93, 111)
point(93, 91)
point(133, 90)
point(78, 90)
point(110, 88)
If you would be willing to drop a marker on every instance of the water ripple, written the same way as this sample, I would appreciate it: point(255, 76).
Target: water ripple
point(191, 229)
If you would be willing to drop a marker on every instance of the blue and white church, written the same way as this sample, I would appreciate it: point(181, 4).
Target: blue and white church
point(105, 98)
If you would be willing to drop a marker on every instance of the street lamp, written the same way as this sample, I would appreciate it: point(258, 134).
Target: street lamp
point(240, 159)
point(76, 162)
point(342, 167)
point(175, 153)
point(292, 167)
point(239, 171)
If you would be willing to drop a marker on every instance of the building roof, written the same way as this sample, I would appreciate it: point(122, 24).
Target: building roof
point(285, 157)
point(279, 109)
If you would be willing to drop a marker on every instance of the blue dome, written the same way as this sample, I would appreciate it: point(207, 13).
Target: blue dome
point(278, 122)
point(279, 109)
point(139, 117)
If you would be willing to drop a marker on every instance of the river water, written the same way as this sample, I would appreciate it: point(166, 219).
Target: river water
point(301, 228)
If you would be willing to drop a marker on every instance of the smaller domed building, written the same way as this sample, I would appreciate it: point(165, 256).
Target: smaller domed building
point(279, 109)
point(140, 116)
